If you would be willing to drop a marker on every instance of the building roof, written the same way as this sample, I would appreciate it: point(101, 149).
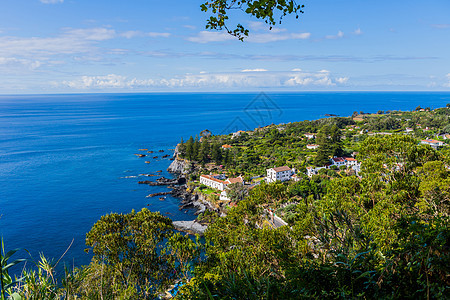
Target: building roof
point(281, 169)
point(212, 178)
point(338, 159)
point(235, 180)
point(226, 146)
point(350, 159)
point(312, 145)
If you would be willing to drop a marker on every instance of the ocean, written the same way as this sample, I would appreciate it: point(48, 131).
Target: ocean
point(66, 160)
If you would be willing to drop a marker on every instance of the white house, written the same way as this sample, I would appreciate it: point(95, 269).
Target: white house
point(408, 130)
point(312, 146)
point(279, 174)
point(214, 181)
point(310, 135)
point(217, 182)
point(350, 162)
point(310, 171)
point(338, 161)
point(433, 143)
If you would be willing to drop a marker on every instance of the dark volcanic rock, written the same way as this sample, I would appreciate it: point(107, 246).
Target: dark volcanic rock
point(159, 194)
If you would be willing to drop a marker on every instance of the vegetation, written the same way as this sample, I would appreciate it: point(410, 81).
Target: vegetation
point(383, 234)
point(271, 12)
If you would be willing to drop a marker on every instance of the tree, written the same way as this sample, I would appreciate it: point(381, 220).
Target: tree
point(236, 191)
point(270, 11)
point(129, 248)
point(189, 148)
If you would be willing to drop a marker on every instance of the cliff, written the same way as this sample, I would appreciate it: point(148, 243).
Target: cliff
point(177, 166)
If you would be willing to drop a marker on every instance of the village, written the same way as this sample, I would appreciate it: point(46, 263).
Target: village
point(230, 170)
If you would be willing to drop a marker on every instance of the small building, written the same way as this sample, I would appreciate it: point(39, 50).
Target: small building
point(338, 161)
point(444, 136)
point(433, 143)
point(312, 146)
point(226, 147)
point(350, 161)
point(310, 135)
point(310, 171)
point(408, 130)
point(279, 174)
point(214, 181)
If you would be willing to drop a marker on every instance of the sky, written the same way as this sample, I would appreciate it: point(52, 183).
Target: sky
point(88, 46)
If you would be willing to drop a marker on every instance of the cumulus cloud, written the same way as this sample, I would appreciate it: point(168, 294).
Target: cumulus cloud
point(256, 78)
point(204, 37)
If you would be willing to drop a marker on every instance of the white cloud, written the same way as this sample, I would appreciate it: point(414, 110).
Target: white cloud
point(254, 70)
point(51, 1)
point(339, 35)
point(341, 80)
point(192, 27)
point(358, 31)
point(211, 36)
point(249, 79)
point(136, 33)
point(70, 41)
point(14, 63)
point(447, 84)
point(272, 36)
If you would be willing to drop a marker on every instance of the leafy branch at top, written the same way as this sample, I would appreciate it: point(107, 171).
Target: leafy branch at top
point(270, 11)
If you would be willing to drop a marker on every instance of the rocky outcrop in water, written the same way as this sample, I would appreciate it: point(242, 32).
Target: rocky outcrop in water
point(164, 181)
point(190, 226)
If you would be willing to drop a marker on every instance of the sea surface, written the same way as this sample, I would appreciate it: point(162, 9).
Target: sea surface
point(66, 160)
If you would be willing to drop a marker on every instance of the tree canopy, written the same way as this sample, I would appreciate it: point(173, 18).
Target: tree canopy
point(269, 11)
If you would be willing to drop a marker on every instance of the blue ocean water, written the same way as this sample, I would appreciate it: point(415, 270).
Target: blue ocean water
point(66, 160)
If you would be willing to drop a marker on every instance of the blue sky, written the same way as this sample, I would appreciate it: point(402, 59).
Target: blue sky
point(78, 46)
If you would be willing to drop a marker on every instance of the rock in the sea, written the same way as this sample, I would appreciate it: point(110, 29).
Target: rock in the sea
point(158, 194)
point(190, 226)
